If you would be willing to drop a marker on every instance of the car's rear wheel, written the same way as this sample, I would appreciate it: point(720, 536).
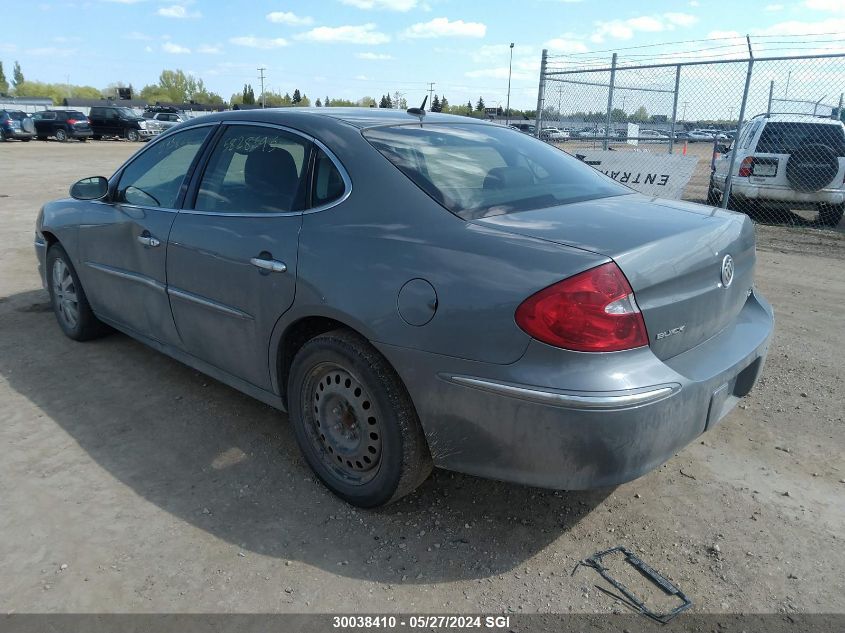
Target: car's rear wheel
point(61, 135)
point(132, 135)
point(82, 139)
point(68, 299)
point(355, 422)
point(831, 214)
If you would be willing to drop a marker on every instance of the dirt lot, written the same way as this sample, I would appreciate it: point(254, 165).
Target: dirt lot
point(131, 483)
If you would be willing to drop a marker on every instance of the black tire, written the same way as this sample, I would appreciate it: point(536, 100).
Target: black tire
point(86, 326)
point(713, 195)
point(61, 135)
point(42, 138)
point(356, 381)
point(831, 214)
point(96, 137)
point(132, 135)
point(3, 138)
point(82, 139)
point(26, 140)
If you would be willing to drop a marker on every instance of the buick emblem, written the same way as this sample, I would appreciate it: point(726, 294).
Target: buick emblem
point(727, 271)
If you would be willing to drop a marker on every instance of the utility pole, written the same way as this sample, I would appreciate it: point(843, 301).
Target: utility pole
point(430, 93)
point(684, 115)
point(508, 106)
point(261, 76)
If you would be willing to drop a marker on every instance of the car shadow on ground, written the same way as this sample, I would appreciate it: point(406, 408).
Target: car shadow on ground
point(229, 465)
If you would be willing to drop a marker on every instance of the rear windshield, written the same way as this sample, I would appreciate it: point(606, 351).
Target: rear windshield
point(785, 138)
point(482, 170)
point(73, 114)
point(18, 115)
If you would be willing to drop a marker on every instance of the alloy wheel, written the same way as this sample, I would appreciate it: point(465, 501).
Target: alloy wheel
point(65, 298)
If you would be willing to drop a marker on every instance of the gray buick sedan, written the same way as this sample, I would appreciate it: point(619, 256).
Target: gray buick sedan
point(418, 290)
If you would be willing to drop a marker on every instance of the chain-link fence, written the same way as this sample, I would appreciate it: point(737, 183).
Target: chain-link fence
point(761, 135)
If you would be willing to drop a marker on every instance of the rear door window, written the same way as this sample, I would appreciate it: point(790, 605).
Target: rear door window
point(255, 169)
point(328, 181)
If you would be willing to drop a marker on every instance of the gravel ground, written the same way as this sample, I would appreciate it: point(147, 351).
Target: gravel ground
point(131, 483)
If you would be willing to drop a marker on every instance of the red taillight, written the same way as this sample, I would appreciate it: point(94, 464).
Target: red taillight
point(746, 166)
point(593, 311)
point(72, 121)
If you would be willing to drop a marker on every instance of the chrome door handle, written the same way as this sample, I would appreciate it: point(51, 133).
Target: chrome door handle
point(148, 240)
point(273, 265)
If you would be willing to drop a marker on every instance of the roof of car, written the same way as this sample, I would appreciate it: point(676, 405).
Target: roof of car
point(359, 117)
point(800, 118)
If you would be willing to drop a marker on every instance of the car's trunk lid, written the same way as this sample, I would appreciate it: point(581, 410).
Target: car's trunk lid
point(671, 252)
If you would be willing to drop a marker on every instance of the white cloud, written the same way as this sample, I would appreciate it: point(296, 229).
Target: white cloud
point(389, 5)
point(443, 27)
point(693, 3)
point(374, 56)
point(626, 29)
point(251, 41)
point(566, 45)
point(361, 78)
point(287, 17)
point(177, 11)
point(361, 34)
point(148, 49)
point(176, 49)
point(833, 6)
point(209, 49)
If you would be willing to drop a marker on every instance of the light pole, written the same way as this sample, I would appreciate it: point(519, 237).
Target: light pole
point(508, 105)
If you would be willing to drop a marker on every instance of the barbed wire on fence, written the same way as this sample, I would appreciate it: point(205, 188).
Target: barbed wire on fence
point(758, 133)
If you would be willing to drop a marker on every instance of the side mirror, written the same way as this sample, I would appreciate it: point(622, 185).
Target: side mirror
point(94, 188)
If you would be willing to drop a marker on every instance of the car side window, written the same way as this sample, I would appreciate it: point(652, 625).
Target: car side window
point(328, 183)
point(255, 169)
point(154, 177)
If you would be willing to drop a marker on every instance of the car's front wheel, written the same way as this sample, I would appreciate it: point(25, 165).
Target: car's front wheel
point(132, 135)
point(355, 422)
point(68, 299)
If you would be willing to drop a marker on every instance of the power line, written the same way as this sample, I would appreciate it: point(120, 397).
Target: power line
point(263, 97)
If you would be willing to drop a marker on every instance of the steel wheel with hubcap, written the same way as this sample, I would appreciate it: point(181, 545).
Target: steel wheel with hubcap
point(354, 420)
point(70, 304)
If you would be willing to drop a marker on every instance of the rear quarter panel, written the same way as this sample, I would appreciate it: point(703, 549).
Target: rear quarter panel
point(355, 258)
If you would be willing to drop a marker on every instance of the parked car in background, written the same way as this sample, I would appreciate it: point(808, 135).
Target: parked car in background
point(791, 161)
point(593, 133)
point(165, 119)
point(418, 291)
point(121, 122)
point(16, 124)
point(701, 136)
point(652, 136)
point(553, 134)
point(62, 125)
point(527, 128)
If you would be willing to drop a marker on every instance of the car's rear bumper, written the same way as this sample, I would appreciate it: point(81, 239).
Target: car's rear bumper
point(570, 420)
point(18, 134)
point(779, 195)
point(80, 133)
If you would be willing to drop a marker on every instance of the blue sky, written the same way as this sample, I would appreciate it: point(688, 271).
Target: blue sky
point(353, 48)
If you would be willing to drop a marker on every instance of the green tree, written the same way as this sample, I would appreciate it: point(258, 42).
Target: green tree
point(327, 103)
point(444, 105)
point(318, 103)
point(435, 104)
point(17, 75)
point(383, 102)
point(248, 95)
point(479, 107)
point(469, 107)
point(640, 116)
point(297, 98)
point(4, 85)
